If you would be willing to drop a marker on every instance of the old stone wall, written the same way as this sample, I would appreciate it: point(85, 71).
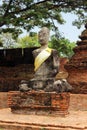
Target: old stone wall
point(15, 65)
point(12, 57)
point(10, 77)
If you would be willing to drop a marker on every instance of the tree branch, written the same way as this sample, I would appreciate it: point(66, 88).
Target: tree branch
point(6, 12)
point(28, 8)
point(62, 4)
point(2, 23)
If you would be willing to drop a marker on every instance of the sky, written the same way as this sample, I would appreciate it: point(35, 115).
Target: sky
point(67, 30)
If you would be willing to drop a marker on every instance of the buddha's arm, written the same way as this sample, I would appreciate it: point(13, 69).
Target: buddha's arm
point(55, 62)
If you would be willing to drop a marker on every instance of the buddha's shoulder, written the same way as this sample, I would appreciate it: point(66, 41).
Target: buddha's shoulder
point(36, 52)
point(54, 51)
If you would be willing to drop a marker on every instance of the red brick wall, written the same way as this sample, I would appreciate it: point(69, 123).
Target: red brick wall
point(77, 101)
point(44, 103)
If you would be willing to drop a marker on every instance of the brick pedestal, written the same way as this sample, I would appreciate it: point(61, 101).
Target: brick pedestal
point(39, 103)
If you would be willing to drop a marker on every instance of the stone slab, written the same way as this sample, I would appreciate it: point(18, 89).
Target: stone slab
point(76, 120)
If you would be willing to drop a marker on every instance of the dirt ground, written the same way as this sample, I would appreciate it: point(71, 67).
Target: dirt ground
point(75, 120)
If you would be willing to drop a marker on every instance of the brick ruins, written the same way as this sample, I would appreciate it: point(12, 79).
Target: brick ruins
point(77, 66)
point(39, 103)
point(15, 65)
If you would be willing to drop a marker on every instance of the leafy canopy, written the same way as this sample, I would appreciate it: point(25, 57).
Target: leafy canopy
point(17, 14)
point(6, 41)
point(63, 46)
point(29, 41)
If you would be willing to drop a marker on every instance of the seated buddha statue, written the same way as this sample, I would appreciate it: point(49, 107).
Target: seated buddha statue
point(46, 66)
point(46, 62)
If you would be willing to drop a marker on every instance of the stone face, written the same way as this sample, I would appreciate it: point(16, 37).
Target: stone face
point(39, 103)
point(77, 66)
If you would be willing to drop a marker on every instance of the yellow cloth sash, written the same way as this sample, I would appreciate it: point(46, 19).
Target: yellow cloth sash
point(41, 57)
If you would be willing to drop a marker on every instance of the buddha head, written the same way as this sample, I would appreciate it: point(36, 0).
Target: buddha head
point(43, 36)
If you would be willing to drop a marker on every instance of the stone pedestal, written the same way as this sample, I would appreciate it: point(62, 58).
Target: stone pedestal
point(39, 103)
point(77, 66)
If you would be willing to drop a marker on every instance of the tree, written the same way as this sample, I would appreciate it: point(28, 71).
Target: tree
point(28, 41)
point(17, 14)
point(63, 46)
point(6, 41)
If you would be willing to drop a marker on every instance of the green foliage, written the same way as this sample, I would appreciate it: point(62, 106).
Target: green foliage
point(63, 46)
point(17, 14)
point(12, 31)
point(28, 41)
